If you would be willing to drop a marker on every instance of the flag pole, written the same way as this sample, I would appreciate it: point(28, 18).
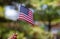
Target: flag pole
point(17, 22)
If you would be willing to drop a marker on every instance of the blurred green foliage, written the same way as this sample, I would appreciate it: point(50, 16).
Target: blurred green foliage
point(28, 33)
point(24, 29)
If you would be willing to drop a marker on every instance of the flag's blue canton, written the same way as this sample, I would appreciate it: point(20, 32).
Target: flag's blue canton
point(24, 10)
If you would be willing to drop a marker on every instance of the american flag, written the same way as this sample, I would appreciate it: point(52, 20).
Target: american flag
point(26, 14)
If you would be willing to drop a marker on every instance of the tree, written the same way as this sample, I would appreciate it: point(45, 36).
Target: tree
point(49, 14)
